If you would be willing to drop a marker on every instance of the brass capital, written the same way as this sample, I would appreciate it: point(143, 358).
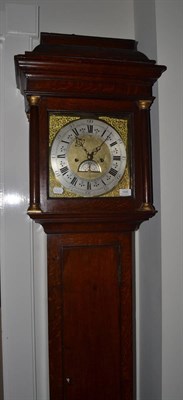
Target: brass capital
point(34, 209)
point(146, 207)
point(144, 104)
point(33, 100)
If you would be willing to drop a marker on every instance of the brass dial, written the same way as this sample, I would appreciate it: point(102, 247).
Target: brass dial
point(88, 157)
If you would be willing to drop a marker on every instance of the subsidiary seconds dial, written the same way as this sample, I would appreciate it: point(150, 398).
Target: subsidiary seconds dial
point(88, 157)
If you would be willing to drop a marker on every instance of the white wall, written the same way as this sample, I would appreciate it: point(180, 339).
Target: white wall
point(157, 25)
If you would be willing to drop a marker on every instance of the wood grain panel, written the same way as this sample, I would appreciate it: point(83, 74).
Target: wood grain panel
point(90, 317)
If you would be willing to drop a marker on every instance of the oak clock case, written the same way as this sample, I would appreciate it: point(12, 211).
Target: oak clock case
point(88, 101)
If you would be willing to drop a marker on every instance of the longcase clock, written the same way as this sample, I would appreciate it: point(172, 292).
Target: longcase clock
point(88, 102)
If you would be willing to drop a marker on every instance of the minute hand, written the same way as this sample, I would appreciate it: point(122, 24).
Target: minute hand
point(95, 151)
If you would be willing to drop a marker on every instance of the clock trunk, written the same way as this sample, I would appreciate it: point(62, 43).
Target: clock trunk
point(91, 329)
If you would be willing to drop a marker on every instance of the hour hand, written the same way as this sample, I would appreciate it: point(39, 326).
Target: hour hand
point(80, 143)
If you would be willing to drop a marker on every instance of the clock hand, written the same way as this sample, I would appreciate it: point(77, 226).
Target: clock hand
point(95, 151)
point(79, 142)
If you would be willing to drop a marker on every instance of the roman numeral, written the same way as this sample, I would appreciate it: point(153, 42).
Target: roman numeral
point(88, 185)
point(75, 132)
point(74, 181)
point(90, 128)
point(64, 170)
point(64, 141)
point(61, 156)
point(113, 172)
point(116, 158)
point(103, 133)
point(113, 144)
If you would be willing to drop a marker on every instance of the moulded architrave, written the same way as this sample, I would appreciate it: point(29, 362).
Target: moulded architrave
point(17, 316)
point(18, 234)
point(1, 189)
